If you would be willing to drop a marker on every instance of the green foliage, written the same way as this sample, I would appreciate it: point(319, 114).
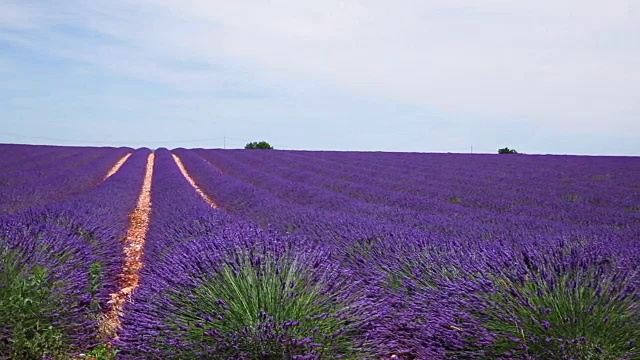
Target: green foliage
point(102, 352)
point(578, 317)
point(26, 304)
point(259, 145)
point(506, 150)
point(268, 308)
point(95, 283)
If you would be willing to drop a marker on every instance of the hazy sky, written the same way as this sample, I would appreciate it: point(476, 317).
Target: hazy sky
point(540, 76)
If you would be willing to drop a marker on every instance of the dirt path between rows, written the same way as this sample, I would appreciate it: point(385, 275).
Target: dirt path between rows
point(193, 183)
point(117, 166)
point(133, 248)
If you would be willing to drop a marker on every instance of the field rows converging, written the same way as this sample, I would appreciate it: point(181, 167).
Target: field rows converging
point(134, 241)
point(238, 254)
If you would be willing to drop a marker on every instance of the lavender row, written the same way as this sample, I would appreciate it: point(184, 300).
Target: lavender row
point(66, 259)
point(564, 175)
point(435, 218)
point(321, 209)
point(440, 219)
point(347, 228)
point(16, 156)
point(51, 163)
point(46, 164)
point(367, 188)
point(261, 207)
point(74, 176)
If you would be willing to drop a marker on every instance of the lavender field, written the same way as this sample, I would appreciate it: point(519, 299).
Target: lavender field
point(270, 254)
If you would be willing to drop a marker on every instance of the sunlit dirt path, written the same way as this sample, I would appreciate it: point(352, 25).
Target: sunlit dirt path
point(193, 183)
point(117, 166)
point(133, 248)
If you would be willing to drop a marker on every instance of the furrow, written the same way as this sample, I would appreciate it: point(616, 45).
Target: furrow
point(133, 250)
point(117, 166)
point(193, 183)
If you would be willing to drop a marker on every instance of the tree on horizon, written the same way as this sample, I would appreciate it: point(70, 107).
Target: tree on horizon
point(259, 145)
point(506, 150)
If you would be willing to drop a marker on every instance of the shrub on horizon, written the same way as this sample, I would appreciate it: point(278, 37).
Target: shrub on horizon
point(259, 145)
point(506, 150)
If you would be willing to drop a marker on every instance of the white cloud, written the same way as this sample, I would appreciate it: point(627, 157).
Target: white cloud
point(560, 64)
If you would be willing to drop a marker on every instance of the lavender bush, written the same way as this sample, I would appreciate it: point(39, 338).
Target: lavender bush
point(264, 299)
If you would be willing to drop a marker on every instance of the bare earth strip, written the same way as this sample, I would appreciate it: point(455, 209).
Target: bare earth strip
point(193, 183)
point(117, 166)
point(133, 248)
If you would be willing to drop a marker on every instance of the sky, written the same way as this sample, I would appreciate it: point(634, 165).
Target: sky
point(540, 76)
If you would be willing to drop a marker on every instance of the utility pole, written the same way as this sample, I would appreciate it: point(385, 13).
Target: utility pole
point(472, 148)
point(224, 142)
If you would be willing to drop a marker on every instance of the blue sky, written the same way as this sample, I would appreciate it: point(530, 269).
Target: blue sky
point(539, 76)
